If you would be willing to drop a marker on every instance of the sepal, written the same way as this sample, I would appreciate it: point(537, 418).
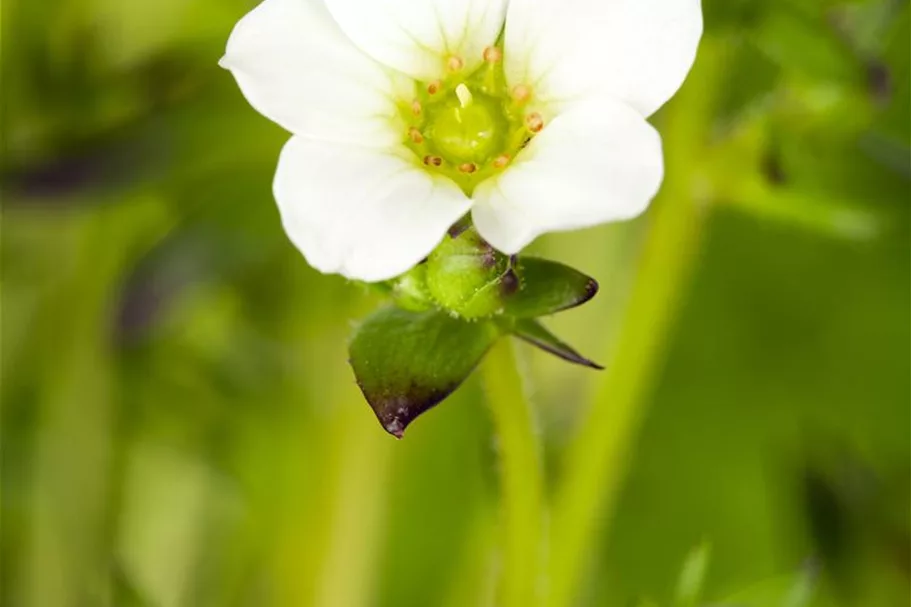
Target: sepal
point(547, 287)
point(406, 362)
point(532, 331)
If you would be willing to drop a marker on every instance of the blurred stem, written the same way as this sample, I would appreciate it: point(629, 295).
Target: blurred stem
point(521, 477)
point(332, 531)
point(350, 565)
point(595, 461)
point(68, 559)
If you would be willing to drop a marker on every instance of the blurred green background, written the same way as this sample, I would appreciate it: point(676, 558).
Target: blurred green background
point(180, 426)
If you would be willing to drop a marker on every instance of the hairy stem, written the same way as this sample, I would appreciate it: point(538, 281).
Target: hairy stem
point(521, 474)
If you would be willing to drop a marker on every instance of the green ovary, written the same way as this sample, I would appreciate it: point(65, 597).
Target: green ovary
point(467, 135)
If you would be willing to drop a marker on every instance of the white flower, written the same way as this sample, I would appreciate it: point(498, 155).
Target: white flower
point(406, 114)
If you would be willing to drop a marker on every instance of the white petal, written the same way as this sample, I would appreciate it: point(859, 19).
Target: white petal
point(364, 213)
point(418, 37)
point(298, 69)
point(599, 161)
point(636, 50)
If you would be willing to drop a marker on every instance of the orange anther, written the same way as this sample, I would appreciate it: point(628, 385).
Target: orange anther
point(415, 135)
point(493, 54)
point(535, 122)
point(521, 93)
point(468, 167)
point(455, 64)
point(434, 87)
point(501, 161)
point(433, 161)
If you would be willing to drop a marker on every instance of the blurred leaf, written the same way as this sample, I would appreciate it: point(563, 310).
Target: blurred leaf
point(801, 591)
point(126, 594)
point(889, 152)
point(794, 590)
point(548, 287)
point(407, 362)
point(800, 40)
point(831, 217)
point(692, 576)
point(536, 334)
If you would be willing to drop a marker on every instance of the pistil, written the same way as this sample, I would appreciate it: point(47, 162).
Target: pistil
point(464, 95)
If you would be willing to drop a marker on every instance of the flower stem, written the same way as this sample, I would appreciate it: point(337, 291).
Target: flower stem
point(596, 459)
point(521, 474)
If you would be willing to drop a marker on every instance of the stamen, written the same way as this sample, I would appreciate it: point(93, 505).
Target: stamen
point(521, 93)
point(501, 161)
point(493, 54)
point(535, 122)
point(464, 95)
point(469, 126)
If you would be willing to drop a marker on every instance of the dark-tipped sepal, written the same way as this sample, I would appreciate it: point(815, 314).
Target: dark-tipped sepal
point(547, 287)
point(406, 362)
point(534, 333)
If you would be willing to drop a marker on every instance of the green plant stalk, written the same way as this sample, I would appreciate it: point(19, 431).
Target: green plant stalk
point(330, 543)
point(521, 478)
point(67, 561)
point(350, 565)
point(596, 459)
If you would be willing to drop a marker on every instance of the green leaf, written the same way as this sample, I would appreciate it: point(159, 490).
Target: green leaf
point(406, 362)
point(548, 287)
point(534, 333)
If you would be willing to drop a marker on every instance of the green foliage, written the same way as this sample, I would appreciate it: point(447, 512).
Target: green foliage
point(536, 334)
point(450, 310)
point(467, 277)
point(406, 362)
point(466, 288)
point(548, 287)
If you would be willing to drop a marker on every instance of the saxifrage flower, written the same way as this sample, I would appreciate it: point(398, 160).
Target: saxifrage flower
point(407, 114)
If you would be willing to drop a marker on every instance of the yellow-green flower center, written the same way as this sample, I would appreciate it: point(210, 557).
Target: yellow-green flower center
point(469, 126)
point(467, 132)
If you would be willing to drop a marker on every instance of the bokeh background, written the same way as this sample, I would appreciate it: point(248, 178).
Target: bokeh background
point(180, 426)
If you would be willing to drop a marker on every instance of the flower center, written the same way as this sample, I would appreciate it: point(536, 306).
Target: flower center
point(469, 127)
